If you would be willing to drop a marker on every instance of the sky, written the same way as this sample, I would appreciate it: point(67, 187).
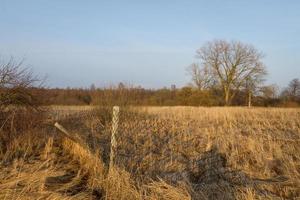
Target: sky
point(149, 43)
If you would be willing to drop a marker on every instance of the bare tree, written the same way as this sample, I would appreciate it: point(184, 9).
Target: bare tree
point(231, 64)
point(294, 88)
point(19, 105)
point(15, 83)
point(269, 91)
point(251, 86)
point(200, 75)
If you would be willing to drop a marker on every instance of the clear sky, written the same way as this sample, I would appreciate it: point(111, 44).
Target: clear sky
point(143, 42)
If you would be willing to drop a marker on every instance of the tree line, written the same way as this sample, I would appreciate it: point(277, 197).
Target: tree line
point(228, 73)
point(186, 96)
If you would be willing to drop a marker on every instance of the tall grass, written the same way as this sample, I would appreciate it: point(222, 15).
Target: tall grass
point(161, 153)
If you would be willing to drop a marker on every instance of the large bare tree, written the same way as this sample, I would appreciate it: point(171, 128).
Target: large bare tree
point(232, 65)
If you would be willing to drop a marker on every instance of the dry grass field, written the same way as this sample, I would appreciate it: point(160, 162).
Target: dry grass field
point(162, 153)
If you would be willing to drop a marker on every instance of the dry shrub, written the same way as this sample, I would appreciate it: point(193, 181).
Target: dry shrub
point(21, 130)
point(15, 120)
point(115, 184)
point(88, 161)
point(43, 179)
point(23, 182)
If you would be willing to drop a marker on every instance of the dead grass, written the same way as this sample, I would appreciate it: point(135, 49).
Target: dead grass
point(162, 153)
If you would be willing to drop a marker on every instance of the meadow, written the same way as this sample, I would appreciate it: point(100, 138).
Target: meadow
point(161, 153)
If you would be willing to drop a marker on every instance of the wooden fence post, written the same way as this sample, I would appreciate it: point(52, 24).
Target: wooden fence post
point(67, 134)
point(115, 121)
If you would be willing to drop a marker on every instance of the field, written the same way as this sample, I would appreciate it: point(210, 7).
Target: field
point(161, 153)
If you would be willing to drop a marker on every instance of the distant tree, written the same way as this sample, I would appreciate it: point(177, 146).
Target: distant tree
point(231, 65)
point(121, 86)
point(173, 87)
point(269, 91)
point(200, 76)
point(184, 94)
point(93, 87)
point(294, 88)
point(251, 86)
point(291, 95)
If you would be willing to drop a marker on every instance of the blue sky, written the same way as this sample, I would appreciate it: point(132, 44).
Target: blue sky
point(148, 43)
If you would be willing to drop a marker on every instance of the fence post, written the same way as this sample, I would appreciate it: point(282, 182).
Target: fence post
point(75, 139)
point(115, 121)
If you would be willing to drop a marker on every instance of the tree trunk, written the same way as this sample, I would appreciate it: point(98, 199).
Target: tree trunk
point(249, 99)
point(227, 97)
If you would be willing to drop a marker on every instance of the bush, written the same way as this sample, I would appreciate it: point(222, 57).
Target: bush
point(19, 109)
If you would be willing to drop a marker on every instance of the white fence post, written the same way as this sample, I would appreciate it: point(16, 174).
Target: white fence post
point(115, 121)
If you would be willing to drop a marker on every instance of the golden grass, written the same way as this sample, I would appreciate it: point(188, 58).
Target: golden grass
point(162, 153)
